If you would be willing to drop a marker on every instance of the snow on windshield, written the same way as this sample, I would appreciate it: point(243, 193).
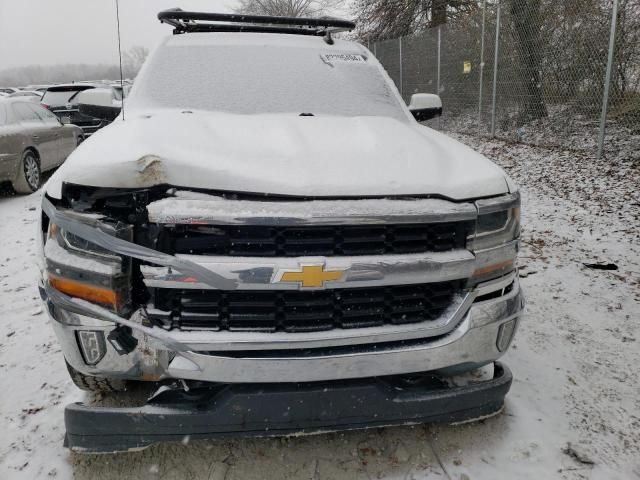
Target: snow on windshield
point(251, 78)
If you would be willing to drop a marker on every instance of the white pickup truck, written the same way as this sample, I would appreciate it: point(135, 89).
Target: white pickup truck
point(269, 235)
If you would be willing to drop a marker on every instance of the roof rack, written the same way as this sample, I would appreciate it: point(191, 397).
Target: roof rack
point(190, 22)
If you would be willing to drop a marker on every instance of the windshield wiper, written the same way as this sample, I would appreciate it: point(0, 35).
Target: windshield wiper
point(74, 95)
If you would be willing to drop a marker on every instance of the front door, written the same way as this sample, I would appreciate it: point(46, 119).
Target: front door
point(40, 135)
point(66, 141)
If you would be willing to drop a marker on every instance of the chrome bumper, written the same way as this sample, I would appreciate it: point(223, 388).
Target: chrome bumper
point(464, 337)
point(471, 343)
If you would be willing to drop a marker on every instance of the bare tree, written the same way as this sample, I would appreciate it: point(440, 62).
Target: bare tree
point(627, 59)
point(133, 59)
point(286, 8)
point(381, 19)
point(527, 22)
point(39, 74)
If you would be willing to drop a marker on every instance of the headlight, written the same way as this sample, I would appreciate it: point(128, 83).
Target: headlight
point(498, 222)
point(82, 269)
point(495, 242)
point(74, 243)
point(79, 244)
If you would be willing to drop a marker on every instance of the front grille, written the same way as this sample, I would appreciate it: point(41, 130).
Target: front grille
point(301, 311)
point(266, 241)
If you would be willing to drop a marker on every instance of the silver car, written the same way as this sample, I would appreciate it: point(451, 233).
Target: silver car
point(32, 141)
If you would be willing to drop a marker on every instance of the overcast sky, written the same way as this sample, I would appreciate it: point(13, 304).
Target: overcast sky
point(48, 32)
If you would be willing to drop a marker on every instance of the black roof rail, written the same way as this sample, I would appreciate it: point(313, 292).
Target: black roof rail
point(190, 22)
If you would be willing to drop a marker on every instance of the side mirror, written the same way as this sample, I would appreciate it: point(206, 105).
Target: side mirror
point(425, 106)
point(98, 103)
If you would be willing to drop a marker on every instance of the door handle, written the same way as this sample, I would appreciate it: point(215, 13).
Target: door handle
point(35, 137)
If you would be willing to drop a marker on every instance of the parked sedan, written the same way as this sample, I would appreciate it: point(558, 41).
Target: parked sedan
point(28, 95)
point(32, 141)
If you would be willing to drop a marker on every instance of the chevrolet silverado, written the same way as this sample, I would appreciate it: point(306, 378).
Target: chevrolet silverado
point(271, 237)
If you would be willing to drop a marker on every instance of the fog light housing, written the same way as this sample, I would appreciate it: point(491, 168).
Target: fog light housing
point(505, 335)
point(92, 346)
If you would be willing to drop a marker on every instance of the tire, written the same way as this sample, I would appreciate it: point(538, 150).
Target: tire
point(29, 176)
point(96, 384)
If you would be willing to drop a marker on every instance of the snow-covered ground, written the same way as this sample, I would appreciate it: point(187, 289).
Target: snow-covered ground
point(573, 411)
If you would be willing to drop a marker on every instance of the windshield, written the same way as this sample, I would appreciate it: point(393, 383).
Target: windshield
point(251, 79)
point(62, 96)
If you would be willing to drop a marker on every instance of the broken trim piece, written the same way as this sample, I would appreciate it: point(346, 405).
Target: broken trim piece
point(82, 307)
point(94, 234)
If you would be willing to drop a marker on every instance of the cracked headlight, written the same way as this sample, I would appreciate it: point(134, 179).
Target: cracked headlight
point(82, 269)
point(79, 244)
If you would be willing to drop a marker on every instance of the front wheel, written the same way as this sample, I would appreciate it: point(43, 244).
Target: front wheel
point(29, 175)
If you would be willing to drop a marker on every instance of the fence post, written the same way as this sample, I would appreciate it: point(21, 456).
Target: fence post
point(607, 81)
point(484, 13)
point(401, 80)
point(438, 62)
point(495, 74)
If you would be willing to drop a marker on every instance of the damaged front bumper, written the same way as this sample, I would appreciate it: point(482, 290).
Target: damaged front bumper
point(269, 383)
point(475, 330)
point(264, 410)
point(291, 392)
point(475, 341)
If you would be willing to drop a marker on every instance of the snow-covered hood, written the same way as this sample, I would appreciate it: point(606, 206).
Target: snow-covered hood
point(280, 154)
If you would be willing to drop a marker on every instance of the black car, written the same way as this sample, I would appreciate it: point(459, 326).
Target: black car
point(63, 101)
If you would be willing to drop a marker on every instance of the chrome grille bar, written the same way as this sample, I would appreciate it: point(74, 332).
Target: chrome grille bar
point(250, 273)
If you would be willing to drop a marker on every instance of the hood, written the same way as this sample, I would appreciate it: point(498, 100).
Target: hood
point(281, 155)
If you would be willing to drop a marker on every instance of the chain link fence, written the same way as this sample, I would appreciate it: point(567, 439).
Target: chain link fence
point(552, 77)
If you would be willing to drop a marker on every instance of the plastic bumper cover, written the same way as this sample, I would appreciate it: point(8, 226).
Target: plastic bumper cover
point(264, 410)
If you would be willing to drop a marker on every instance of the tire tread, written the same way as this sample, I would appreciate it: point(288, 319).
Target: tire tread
point(96, 384)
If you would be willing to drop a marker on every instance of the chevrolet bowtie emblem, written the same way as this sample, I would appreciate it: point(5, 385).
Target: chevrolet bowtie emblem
point(311, 276)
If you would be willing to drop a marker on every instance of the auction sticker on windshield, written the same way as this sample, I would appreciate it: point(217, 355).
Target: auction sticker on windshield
point(332, 58)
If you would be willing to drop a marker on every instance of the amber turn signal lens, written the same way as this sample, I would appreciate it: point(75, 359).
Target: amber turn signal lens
point(53, 230)
point(516, 213)
point(87, 292)
point(496, 267)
